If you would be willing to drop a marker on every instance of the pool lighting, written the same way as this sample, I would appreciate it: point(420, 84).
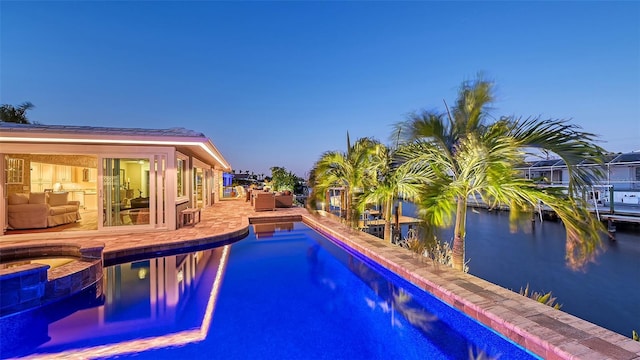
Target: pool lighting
point(157, 342)
point(142, 273)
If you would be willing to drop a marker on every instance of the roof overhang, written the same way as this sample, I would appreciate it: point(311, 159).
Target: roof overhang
point(200, 147)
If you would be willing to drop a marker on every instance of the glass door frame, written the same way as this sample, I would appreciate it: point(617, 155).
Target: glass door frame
point(199, 167)
point(154, 193)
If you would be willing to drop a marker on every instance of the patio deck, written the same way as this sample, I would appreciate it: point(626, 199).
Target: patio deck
point(552, 334)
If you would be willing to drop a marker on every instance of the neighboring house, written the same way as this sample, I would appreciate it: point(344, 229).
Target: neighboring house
point(546, 171)
point(621, 173)
point(227, 179)
point(244, 179)
point(122, 178)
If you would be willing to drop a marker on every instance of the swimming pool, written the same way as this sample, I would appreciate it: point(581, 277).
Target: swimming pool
point(285, 291)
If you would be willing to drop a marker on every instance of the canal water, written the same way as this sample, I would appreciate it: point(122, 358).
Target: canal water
point(606, 293)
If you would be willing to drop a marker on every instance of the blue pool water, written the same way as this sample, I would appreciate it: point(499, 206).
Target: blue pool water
point(285, 292)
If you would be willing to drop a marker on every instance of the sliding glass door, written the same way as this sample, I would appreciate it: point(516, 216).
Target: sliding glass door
point(126, 189)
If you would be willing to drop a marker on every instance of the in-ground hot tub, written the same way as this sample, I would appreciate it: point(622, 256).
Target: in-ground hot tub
point(32, 275)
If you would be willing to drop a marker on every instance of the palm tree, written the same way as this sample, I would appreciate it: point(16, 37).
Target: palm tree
point(9, 113)
point(457, 156)
point(390, 183)
point(350, 170)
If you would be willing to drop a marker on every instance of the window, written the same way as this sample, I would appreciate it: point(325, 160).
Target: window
point(15, 171)
point(180, 172)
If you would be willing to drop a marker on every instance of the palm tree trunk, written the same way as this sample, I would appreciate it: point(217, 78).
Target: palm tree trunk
point(346, 201)
point(387, 219)
point(459, 233)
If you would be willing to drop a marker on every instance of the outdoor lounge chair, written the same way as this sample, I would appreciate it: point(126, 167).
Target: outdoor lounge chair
point(284, 200)
point(263, 201)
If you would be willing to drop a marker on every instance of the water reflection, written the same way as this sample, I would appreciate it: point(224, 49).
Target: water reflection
point(388, 297)
point(147, 304)
point(392, 299)
point(403, 306)
point(263, 231)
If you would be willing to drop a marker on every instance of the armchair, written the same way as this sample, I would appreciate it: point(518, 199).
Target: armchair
point(284, 200)
point(264, 201)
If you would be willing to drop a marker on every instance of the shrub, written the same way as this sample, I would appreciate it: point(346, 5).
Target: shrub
point(543, 298)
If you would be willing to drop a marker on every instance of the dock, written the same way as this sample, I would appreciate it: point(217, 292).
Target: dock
point(620, 218)
point(371, 223)
point(375, 226)
point(622, 213)
point(404, 220)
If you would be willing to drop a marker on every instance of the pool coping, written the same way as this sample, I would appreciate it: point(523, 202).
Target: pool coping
point(30, 285)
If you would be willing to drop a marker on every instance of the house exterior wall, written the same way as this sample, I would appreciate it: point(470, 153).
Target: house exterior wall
point(87, 156)
point(564, 176)
point(3, 200)
point(623, 177)
point(547, 175)
point(135, 161)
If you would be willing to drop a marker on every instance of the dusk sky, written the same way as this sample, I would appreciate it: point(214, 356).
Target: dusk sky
point(279, 83)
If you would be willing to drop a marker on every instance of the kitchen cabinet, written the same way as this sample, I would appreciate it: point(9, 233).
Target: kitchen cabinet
point(41, 176)
point(89, 175)
point(77, 195)
point(63, 174)
point(45, 176)
point(90, 200)
point(41, 172)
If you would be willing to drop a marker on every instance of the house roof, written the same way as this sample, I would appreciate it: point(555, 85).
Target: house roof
point(605, 159)
point(623, 158)
point(184, 140)
point(627, 157)
point(547, 163)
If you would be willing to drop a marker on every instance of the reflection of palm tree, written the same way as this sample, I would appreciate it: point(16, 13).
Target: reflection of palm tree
point(417, 317)
point(312, 258)
point(457, 156)
point(476, 353)
point(365, 273)
point(395, 299)
point(316, 272)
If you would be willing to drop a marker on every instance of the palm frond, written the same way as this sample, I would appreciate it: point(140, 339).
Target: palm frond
point(474, 98)
point(567, 141)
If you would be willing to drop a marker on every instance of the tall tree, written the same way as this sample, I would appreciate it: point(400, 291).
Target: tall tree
point(348, 170)
point(9, 113)
point(282, 179)
point(389, 183)
point(457, 156)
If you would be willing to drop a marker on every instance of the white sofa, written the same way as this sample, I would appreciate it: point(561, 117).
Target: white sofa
point(41, 210)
